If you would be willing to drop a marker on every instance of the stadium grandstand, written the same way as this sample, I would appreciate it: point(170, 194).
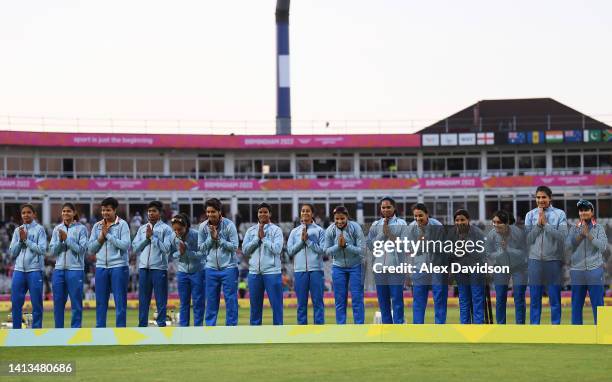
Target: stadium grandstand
point(489, 156)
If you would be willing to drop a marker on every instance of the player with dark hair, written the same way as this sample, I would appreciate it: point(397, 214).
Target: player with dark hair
point(471, 286)
point(546, 229)
point(218, 242)
point(426, 228)
point(152, 245)
point(27, 248)
point(110, 241)
point(587, 242)
point(389, 288)
point(306, 245)
point(69, 247)
point(263, 245)
point(345, 243)
point(190, 270)
point(506, 246)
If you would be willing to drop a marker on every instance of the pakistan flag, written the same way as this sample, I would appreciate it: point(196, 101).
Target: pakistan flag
point(592, 135)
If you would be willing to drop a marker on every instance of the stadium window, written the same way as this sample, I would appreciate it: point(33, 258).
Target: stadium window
point(345, 165)
point(388, 164)
point(407, 164)
point(324, 166)
point(68, 166)
point(369, 165)
point(522, 207)
point(156, 166)
point(142, 166)
point(590, 162)
point(351, 207)
point(559, 161)
point(605, 160)
point(285, 213)
point(454, 164)
point(243, 166)
point(571, 208)
point(490, 207)
point(19, 165)
point(283, 166)
point(370, 211)
point(149, 166)
point(493, 163)
point(244, 210)
point(472, 208)
point(573, 162)
point(304, 166)
point(50, 165)
point(120, 166)
point(441, 211)
point(252, 218)
point(472, 163)
point(257, 167)
point(218, 166)
point(539, 162)
point(507, 163)
point(112, 165)
point(525, 163)
point(604, 206)
point(434, 164)
point(204, 166)
point(87, 166)
point(183, 167)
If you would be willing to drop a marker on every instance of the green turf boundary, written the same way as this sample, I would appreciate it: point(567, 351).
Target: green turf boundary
point(451, 333)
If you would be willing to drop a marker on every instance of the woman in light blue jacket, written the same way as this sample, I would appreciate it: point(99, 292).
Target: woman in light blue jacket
point(306, 245)
point(586, 241)
point(389, 286)
point(152, 245)
point(69, 247)
point(190, 272)
point(345, 243)
point(110, 241)
point(218, 241)
point(506, 246)
point(546, 230)
point(426, 228)
point(28, 247)
point(263, 244)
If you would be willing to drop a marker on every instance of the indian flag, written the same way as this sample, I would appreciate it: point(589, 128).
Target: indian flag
point(592, 135)
point(555, 136)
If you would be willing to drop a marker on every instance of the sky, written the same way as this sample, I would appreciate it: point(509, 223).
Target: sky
point(364, 66)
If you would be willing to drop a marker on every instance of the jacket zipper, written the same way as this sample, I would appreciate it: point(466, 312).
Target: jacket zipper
point(344, 253)
point(542, 243)
point(187, 258)
point(306, 248)
point(66, 251)
point(385, 255)
point(150, 246)
point(585, 254)
point(106, 248)
point(217, 244)
point(260, 259)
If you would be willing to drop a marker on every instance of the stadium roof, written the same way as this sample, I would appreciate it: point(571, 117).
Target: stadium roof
point(526, 114)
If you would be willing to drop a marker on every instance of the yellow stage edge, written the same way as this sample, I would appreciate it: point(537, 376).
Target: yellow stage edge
point(450, 333)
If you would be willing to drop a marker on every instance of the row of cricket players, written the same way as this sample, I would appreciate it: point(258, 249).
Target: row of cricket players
point(207, 264)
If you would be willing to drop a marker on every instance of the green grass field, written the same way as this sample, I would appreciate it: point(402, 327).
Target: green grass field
point(89, 316)
point(331, 362)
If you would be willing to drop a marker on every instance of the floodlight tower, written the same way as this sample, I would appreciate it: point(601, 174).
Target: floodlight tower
point(283, 92)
